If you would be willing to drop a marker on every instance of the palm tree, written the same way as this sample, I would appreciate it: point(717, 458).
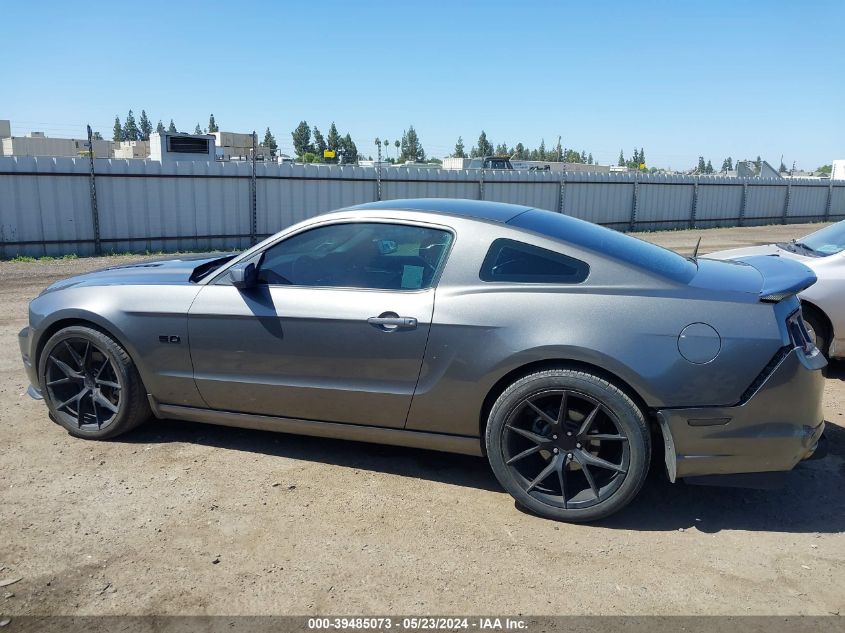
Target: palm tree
point(398, 145)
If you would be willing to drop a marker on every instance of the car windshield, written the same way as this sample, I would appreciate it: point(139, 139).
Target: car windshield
point(828, 241)
point(612, 243)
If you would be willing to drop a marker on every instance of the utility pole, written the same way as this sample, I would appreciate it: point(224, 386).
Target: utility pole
point(378, 169)
point(95, 213)
point(254, 207)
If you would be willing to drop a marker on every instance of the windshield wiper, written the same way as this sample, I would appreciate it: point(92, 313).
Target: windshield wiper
point(804, 246)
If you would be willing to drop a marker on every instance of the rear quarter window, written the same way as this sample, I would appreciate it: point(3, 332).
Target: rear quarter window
point(608, 242)
point(517, 262)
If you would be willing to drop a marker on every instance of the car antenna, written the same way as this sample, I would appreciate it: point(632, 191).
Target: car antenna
point(695, 252)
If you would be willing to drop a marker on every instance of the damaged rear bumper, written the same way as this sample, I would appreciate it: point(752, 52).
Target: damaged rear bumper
point(779, 425)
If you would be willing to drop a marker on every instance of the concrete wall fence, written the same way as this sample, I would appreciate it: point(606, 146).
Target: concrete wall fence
point(57, 206)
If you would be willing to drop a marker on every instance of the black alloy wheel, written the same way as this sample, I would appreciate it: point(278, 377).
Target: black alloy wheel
point(568, 444)
point(90, 384)
point(82, 384)
point(566, 449)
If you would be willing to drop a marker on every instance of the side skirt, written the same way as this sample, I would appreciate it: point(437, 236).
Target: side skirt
point(377, 435)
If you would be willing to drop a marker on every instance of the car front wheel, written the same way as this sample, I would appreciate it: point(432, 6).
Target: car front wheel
point(816, 328)
point(90, 384)
point(568, 445)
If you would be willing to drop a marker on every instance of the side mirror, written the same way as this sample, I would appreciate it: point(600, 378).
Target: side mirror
point(243, 276)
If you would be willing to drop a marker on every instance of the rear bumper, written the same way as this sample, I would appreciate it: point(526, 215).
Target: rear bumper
point(25, 341)
point(775, 428)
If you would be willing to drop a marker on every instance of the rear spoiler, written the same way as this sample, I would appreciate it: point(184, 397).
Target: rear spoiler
point(782, 277)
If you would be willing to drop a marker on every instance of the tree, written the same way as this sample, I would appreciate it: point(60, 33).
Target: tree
point(117, 136)
point(484, 147)
point(574, 156)
point(397, 144)
point(519, 151)
point(411, 149)
point(172, 127)
point(302, 139)
point(825, 169)
point(709, 167)
point(702, 166)
point(727, 164)
point(621, 162)
point(333, 138)
point(97, 136)
point(348, 150)
point(269, 142)
point(212, 125)
point(782, 169)
point(198, 129)
point(642, 157)
point(502, 150)
point(333, 141)
point(130, 128)
point(319, 142)
point(758, 165)
point(160, 127)
point(145, 127)
point(590, 159)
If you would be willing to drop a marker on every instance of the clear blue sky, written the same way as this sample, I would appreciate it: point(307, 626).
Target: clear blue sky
point(678, 78)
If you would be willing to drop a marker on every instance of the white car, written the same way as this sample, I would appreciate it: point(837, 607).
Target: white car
point(823, 302)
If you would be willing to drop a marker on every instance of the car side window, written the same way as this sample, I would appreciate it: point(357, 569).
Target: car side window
point(375, 255)
point(512, 261)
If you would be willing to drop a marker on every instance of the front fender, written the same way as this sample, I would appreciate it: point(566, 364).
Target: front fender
point(149, 322)
point(43, 326)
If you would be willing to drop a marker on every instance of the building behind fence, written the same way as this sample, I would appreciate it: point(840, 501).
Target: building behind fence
point(56, 206)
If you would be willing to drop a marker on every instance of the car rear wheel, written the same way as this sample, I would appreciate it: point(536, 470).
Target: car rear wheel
point(90, 384)
point(568, 445)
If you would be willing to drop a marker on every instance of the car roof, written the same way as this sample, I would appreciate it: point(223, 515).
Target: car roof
point(475, 209)
point(557, 226)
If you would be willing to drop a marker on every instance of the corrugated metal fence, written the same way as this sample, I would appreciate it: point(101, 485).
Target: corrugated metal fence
point(46, 206)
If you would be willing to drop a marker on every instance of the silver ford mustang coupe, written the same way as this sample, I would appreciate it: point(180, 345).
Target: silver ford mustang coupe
point(562, 351)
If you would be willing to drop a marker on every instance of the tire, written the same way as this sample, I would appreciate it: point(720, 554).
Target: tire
point(596, 449)
point(817, 327)
point(83, 360)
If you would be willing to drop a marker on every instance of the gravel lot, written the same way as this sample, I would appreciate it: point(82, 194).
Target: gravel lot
point(181, 518)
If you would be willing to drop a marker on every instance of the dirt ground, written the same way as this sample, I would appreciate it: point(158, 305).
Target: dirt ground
point(181, 518)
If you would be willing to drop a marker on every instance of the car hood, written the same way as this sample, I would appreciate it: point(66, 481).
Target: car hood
point(150, 272)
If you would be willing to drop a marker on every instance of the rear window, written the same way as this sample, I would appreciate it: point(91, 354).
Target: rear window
point(508, 260)
point(617, 245)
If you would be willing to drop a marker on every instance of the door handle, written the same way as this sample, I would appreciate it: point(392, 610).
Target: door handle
point(390, 321)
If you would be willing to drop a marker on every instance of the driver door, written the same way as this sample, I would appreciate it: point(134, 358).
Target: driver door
point(334, 329)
